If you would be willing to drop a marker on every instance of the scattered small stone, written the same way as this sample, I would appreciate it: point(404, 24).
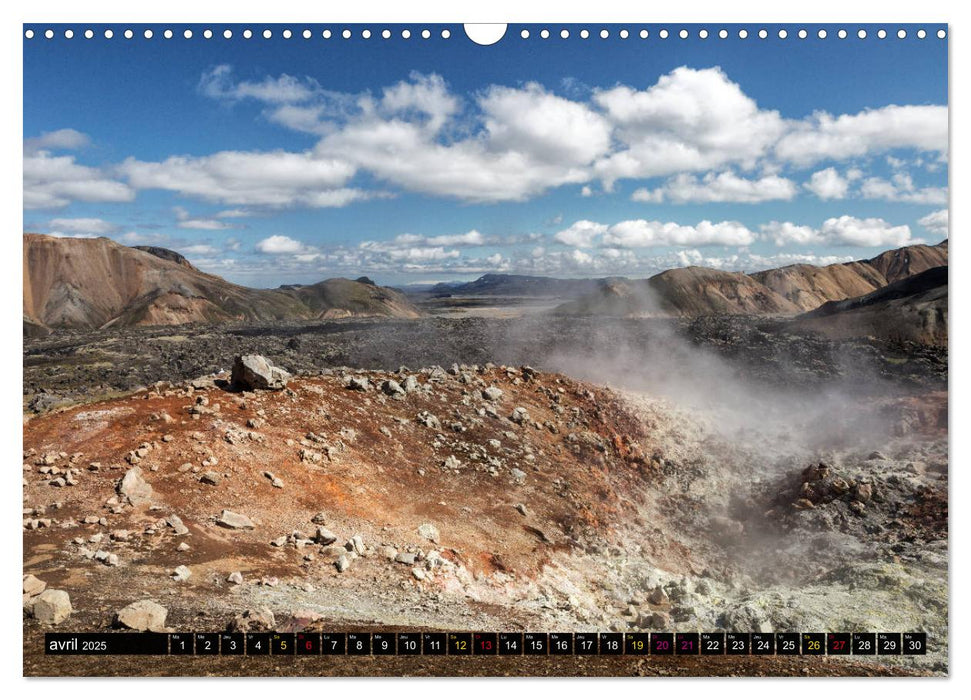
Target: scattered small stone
point(428, 531)
point(392, 388)
point(658, 597)
point(863, 492)
point(253, 620)
point(175, 522)
point(181, 573)
point(519, 415)
point(235, 577)
point(429, 420)
point(358, 384)
point(343, 563)
point(325, 536)
point(234, 521)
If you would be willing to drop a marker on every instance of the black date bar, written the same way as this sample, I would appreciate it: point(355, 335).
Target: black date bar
point(101, 644)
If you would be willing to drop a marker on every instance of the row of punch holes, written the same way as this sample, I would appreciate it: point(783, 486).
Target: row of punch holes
point(446, 33)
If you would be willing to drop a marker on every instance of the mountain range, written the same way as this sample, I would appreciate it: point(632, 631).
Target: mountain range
point(98, 283)
point(783, 291)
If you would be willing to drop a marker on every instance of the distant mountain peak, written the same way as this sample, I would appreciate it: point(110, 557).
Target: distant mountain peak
point(166, 254)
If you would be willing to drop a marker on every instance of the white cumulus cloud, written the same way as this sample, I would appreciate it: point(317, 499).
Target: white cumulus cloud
point(841, 231)
point(640, 233)
point(828, 184)
point(280, 245)
point(824, 136)
point(94, 227)
point(256, 178)
point(52, 182)
point(901, 188)
point(690, 120)
point(936, 223)
point(719, 187)
point(582, 234)
point(60, 140)
point(219, 83)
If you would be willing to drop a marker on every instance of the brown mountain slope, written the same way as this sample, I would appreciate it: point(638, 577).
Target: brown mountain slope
point(899, 264)
point(808, 286)
point(687, 291)
point(913, 309)
point(697, 291)
point(95, 283)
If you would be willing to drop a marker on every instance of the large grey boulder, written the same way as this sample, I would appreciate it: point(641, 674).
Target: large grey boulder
point(52, 606)
point(134, 488)
point(143, 615)
point(255, 372)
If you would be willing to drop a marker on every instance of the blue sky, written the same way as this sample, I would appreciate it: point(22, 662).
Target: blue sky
point(270, 161)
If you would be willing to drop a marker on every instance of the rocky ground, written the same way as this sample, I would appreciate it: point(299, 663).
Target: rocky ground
point(485, 496)
point(72, 365)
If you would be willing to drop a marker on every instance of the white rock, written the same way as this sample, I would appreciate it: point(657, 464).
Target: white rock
point(325, 536)
point(428, 531)
point(234, 521)
point(33, 585)
point(134, 488)
point(175, 522)
point(52, 606)
point(143, 615)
